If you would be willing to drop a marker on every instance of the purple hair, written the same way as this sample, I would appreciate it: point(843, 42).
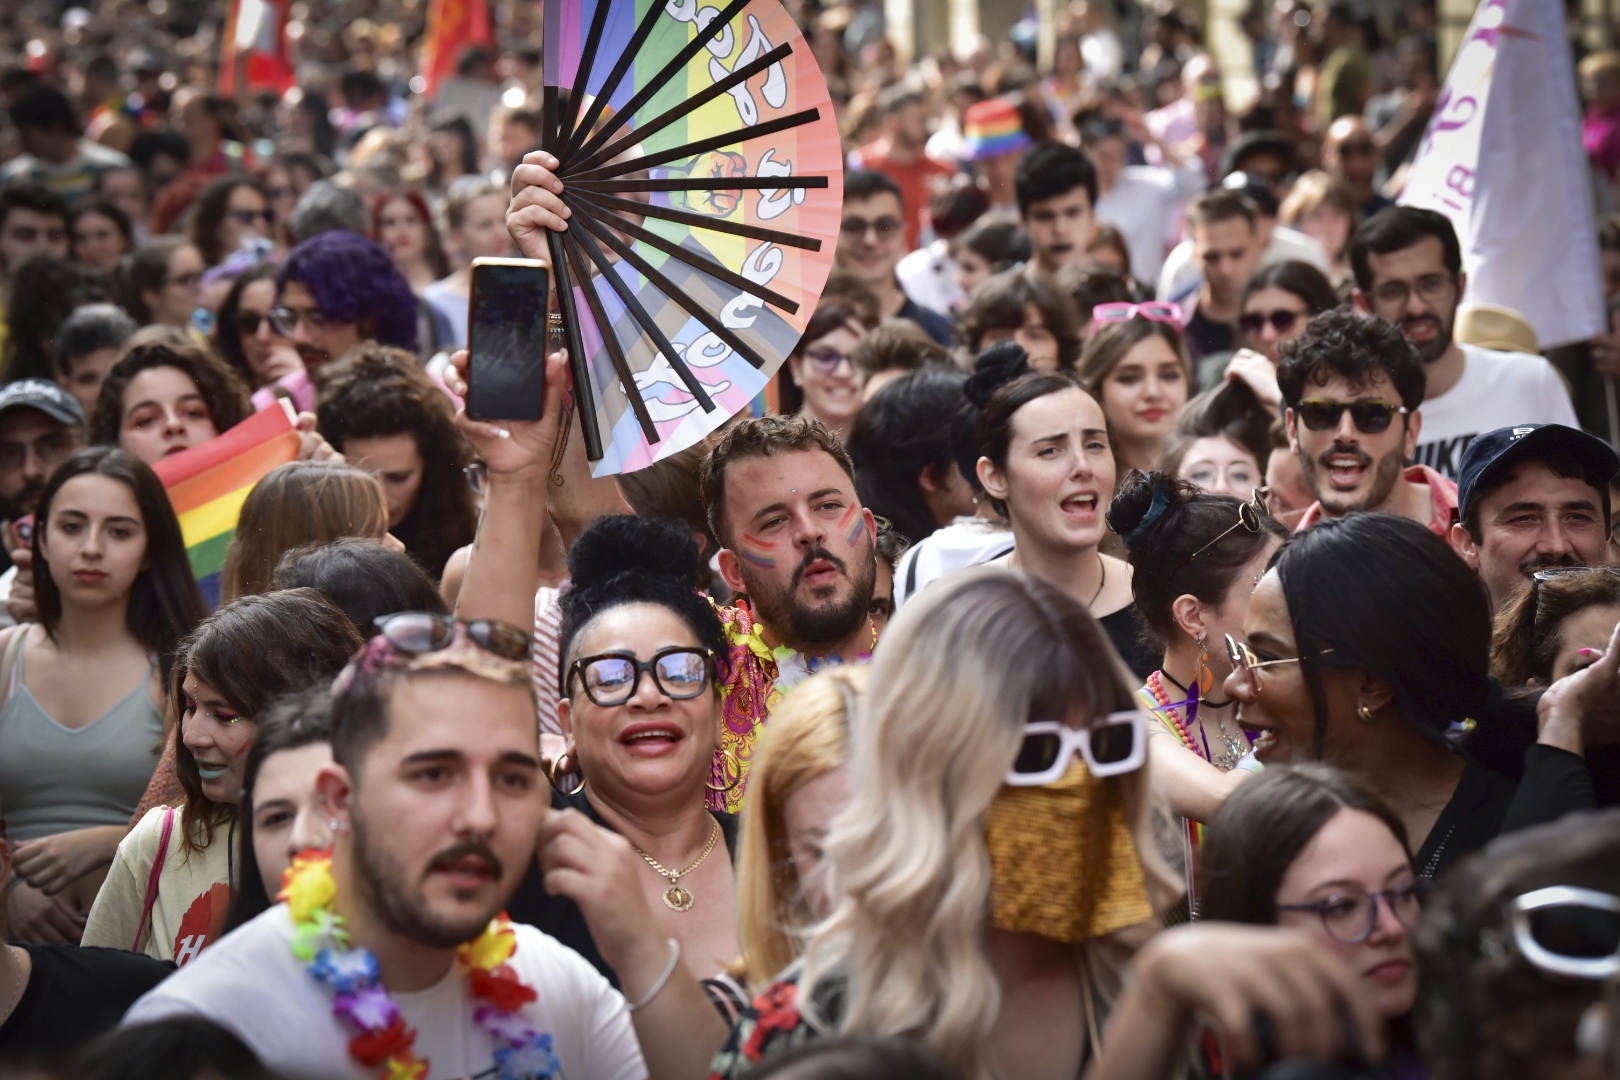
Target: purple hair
point(352, 279)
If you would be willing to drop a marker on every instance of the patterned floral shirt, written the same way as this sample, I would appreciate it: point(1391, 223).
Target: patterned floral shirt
point(771, 1025)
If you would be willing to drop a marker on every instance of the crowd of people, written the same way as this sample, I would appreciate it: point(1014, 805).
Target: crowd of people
point(1152, 625)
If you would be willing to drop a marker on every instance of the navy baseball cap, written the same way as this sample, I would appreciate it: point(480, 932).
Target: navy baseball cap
point(1495, 452)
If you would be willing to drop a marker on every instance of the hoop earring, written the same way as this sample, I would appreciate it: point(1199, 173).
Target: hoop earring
point(1206, 677)
point(735, 772)
point(551, 776)
point(1365, 713)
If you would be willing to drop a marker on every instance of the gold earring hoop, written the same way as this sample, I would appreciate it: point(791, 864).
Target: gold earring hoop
point(551, 775)
point(734, 772)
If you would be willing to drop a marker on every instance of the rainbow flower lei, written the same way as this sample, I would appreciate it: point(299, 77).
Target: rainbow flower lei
point(360, 999)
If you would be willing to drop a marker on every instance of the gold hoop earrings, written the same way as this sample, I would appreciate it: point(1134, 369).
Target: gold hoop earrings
point(734, 772)
point(551, 775)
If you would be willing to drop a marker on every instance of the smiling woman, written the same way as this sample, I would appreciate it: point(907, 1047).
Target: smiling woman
point(233, 665)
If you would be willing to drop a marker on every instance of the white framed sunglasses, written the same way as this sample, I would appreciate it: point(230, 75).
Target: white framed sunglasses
point(1569, 931)
point(1117, 744)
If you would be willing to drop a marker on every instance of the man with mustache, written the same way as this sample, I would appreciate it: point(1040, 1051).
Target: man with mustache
point(40, 425)
point(1352, 387)
point(338, 289)
point(435, 820)
point(1408, 268)
point(1532, 498)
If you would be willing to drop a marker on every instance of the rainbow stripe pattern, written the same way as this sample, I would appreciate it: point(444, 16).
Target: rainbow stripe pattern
point(208, 484)
point(993, 128)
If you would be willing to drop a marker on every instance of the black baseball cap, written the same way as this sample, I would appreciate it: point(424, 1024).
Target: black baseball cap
point(45, 396)
point(1495, 452)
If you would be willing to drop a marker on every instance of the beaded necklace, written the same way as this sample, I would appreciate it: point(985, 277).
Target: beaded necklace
point(1167, 712)
point(359, 997)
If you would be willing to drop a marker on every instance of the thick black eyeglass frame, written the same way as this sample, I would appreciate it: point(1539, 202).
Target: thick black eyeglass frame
point(649, 667)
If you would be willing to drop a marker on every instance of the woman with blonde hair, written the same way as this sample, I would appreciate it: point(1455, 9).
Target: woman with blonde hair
point(798, 784)
point(994, 865)
point(299, 503)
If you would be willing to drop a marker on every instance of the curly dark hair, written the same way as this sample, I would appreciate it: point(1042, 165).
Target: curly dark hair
point(998, 304)
point(374, 392)
point(44, 292)
point(758, 437)
point(163, 346)
point(1355, 347)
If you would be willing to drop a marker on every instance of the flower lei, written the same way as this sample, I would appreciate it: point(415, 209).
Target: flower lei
point(359, 997)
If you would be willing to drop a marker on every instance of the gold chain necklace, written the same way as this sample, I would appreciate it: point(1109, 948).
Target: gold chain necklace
point(675, 897)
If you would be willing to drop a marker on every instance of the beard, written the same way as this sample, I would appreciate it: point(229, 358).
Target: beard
point(401, 905)
point(1386, 473)
point(24, 502)
point(807, 626)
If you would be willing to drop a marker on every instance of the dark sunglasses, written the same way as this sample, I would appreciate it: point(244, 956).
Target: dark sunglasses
point(424, 632)
point(248, 217)
point(1281, 321)
point(248, 321)
point(680, 672)
point(1370, 417)
point(885, 226)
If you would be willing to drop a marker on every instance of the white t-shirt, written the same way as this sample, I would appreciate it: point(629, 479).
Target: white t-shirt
point(1144, 205)
point(1497, 390)
point(966, 541)
point(251, 984)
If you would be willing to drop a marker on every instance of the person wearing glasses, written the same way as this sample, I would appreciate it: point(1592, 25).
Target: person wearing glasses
point(1366, 645)
point(821, 381)
point(229, 212)
point(1277, 304)
point(1531, 498)
point(995, 849)
point(337, 289)
point(1408, 269)
point(871, 242)
point(1195, 559)
point(1520, 955)
point(1135, 364)
point(245, 338)
point(638, 860)
point(234, 664)
point(163, 282)
point(1352, 388)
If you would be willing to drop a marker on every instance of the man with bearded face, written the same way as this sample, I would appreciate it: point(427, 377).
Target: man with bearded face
point(435, 820)
point(1353, 387)
point(1408, 267)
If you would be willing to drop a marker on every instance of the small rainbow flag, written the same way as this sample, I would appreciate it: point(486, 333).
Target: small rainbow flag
point(208, 484)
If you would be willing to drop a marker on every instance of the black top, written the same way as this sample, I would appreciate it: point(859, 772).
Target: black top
point(1132, 641)
point(937, 325)
point(559, 916)
point(75, 993)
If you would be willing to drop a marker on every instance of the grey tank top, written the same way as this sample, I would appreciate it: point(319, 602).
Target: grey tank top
point(54, 778)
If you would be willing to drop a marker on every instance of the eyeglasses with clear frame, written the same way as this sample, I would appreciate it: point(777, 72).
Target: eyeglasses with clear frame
point(1247, 662)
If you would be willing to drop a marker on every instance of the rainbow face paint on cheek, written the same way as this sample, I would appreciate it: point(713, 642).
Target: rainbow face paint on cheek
point(853, 514)
point(758, 552)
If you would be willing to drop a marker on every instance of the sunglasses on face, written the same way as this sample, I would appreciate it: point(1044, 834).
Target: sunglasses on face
point(679, 672)
point(248, 322)
point(250, 217)
point(418, 632)
point(1566, 931)
point(1370, 417)
point(1280, 320)
point(1154, 310)
point(1350, 915)
point(1118, 744)
point(885, 227)
point(828, 361)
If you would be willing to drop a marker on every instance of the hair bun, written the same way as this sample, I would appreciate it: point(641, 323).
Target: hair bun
point(1142, 500)
point(994, 368)
point(624, 544)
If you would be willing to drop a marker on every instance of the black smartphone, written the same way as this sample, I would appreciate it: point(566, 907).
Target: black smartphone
point(506, 339)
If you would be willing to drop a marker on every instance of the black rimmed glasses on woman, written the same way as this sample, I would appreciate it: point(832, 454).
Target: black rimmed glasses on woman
point(680, 672)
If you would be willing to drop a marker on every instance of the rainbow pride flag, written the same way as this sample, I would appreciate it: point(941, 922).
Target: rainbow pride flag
point(208, 484)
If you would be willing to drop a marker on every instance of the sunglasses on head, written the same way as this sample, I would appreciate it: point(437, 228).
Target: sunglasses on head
point(418, 632)
point(1248, 518)
point(1370, 417)
point(1281, 321)
point(1153, 310)
point(1118, 744)
point(1566, 931)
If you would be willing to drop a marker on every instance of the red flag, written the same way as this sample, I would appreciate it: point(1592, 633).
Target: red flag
point(452, 25)
point(257, 33)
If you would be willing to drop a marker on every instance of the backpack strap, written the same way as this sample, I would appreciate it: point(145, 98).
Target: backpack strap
point(155, 878)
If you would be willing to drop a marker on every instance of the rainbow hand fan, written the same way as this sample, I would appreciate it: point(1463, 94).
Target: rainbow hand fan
point(701, 160)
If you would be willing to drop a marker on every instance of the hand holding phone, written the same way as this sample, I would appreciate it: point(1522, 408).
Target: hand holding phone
point(506, 339)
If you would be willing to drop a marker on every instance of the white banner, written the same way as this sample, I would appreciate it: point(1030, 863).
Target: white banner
point(1503, 160)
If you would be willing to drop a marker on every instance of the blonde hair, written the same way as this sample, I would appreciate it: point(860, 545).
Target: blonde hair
point(958, 674)
point(299, 503)
point(806, 738)
point(1314, 190)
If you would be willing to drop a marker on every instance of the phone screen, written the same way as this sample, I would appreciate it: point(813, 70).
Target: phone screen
point(506, 340)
